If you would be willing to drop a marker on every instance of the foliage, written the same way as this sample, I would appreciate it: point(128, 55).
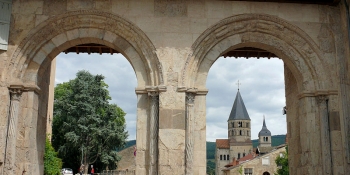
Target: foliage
point(86, 128)
point(283, 161)
point(52, 164)
point(240, 170)
point(211, 146)
point(210, 167)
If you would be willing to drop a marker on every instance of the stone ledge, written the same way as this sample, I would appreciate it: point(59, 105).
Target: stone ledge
point(317, 93)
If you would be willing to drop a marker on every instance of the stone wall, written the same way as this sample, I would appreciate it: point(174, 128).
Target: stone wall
point(257, 164)
point(171, 46)
point(220, 164)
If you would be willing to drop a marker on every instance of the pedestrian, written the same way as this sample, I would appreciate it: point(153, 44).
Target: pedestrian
point(92, 170)
point(135, 151)
point(81, 169)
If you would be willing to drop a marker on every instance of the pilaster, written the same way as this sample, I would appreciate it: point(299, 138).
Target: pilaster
point(10, 149)
point(154, 127)
point(322, 102)
point(190, 97)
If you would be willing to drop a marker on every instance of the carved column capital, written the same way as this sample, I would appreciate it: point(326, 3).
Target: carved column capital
point(321, 99)
point(190, 98)
point(153, 94)
point(16, 94)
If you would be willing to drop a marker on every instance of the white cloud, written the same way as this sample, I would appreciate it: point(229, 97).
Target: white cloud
point(262, 90)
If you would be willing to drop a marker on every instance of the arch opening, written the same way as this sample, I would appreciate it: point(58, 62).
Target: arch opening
point(33, 57)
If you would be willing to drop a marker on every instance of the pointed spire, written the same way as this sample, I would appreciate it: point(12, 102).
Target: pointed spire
point(264, 124)
point(264, 131)
point(238, 112)
point(238, 84)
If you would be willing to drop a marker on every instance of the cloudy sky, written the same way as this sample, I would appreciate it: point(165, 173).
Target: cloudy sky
point(262, 89)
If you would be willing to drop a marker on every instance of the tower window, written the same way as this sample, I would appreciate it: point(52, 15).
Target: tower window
point(240, 124)
point(247, 133)
point(267, 139)
point(224, 157)
point(233, 124)
point(220, 157)
point(239, 155)
point(228, 157)
point(247, 125)
point(240, 132)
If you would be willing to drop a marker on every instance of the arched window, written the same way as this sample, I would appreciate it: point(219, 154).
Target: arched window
point(243, 154)
point(239, 155)
point(240, 124)
point(240, 132)
point(220, 157)
point(247, 133)
point(224, 157)
point(267, 139)
point(233, 124)
point(228, 157)
point(247, 125)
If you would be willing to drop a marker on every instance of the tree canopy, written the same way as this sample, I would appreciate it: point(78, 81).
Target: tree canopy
point(86, 128)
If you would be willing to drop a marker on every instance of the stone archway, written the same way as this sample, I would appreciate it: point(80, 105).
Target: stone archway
point(30, 66)
point(266, 173)
point(308, 84)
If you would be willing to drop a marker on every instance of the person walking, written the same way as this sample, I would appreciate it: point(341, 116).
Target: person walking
point(92, 170)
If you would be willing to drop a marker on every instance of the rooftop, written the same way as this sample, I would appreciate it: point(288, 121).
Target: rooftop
point(222, 143)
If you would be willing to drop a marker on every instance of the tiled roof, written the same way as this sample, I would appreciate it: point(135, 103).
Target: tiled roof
point(239, 112)
point(247, 157)
point(222, 143)
point(233, 163)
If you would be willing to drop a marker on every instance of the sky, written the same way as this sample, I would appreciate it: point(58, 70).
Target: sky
point(261, 87)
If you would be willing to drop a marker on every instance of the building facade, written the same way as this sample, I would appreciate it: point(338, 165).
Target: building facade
point(258, 165)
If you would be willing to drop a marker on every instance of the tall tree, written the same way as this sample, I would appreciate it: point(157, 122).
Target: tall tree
point(86, 128)
point(282, 163)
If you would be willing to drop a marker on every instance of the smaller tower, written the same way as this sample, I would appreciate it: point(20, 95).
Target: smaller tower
point(264, 136)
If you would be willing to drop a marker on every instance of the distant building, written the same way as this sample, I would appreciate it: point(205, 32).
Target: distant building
point(239, 143)
point(256, 164)
point(237, 152)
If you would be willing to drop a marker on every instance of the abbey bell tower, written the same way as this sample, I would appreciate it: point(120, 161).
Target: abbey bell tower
point(239, 129)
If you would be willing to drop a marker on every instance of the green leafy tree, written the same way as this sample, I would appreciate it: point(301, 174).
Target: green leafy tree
point(282, 163)
point(86, 128)
point(52, 164)
point(210, 167)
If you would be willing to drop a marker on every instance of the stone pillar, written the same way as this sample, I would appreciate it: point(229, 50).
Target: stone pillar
point(322, 102)
point(189, 132)
point(154, 127)
point(142, 133)
point(10, 152)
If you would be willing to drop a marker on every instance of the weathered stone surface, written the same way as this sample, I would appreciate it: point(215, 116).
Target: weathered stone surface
point(171, 45)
